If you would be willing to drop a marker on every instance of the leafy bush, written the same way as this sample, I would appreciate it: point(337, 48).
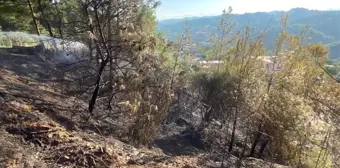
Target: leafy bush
point(275, 109)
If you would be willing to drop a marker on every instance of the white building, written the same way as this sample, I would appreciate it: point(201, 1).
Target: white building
point(270, 63)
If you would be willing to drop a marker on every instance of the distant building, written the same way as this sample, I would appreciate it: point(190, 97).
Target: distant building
point(208, 64)
point(270, 63)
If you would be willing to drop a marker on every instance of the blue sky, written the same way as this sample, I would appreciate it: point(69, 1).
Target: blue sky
point(185, 8)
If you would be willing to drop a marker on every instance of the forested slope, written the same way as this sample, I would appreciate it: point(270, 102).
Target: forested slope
point(324, 26)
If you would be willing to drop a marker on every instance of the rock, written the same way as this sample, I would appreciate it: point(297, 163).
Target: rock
point(213, 164)
point(216, 123)
point(134, 152)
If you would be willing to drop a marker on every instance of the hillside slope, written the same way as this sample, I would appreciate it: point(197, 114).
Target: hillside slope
point(43, 127)
point(324, 26)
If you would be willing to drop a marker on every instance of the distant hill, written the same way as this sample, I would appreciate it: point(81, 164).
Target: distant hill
point(325, 26)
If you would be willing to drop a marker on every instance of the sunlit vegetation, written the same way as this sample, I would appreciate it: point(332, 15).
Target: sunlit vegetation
point(281, 106)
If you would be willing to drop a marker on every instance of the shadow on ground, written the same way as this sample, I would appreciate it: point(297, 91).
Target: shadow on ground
point(186, 143)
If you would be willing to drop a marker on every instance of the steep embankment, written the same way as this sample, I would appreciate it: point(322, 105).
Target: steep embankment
point(42, 127)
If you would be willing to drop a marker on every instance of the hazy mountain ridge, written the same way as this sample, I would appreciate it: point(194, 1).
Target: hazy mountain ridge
point(324, 26)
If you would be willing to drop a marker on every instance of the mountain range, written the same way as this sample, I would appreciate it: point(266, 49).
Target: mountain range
point(324, 26)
